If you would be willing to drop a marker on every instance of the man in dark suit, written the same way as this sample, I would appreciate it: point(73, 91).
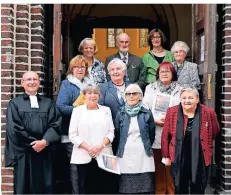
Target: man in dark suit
point(136, 70)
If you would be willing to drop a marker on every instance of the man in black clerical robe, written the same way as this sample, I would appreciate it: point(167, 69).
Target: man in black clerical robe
point(32, 127)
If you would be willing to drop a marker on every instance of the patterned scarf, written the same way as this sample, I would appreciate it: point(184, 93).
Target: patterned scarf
point(133, 110)
point(168, 89)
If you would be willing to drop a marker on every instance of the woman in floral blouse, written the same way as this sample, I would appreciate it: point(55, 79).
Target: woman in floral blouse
point(96, 68)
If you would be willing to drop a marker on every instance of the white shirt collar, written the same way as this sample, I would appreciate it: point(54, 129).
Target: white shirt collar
point(33, 101)
point(122, 55)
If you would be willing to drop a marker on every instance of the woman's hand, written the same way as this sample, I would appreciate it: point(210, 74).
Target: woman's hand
point(167, 162)
point(94, 151)
point(160, 122)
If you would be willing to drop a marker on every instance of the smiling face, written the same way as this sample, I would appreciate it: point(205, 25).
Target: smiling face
point(132, 97)
point(79, 71)
point(165, 76)
point(30, 82)
point(179, 54)
point(116, 73)
point(92, 98)
point(189, 100)
point(88, 49)
point(156, 39)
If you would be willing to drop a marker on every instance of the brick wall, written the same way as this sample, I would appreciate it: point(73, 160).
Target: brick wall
point(22, 49)
point(225, 145)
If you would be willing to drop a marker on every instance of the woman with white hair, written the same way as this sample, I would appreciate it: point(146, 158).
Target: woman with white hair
point(187, 72)
point(187, 142)
point(112, 92)
point(112, 96)
point(135, 134)
point(96, 72)
point(91, 131)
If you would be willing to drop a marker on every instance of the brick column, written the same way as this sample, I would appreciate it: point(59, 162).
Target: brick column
point(225, 150)
point(7, 81)
point(22, 49)
point(37, 42)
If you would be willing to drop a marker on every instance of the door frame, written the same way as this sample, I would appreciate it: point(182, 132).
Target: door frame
point(204, 45)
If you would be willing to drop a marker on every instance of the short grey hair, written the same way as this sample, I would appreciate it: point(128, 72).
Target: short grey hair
point(180, 44)
point(117, 61)
point(191, 89)
point(134, 86)
point(91, 87)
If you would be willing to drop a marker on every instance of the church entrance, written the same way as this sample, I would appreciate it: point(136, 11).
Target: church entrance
point(193, 24)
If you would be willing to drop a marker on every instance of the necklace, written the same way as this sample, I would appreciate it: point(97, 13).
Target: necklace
point(190, 120)
point(118, 85)
point(158, 51)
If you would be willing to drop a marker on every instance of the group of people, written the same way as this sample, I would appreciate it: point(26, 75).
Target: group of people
point(145, 111)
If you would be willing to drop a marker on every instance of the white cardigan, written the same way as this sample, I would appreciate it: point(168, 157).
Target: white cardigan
point(79, 132)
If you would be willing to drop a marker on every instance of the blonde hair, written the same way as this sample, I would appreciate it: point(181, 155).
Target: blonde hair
point(77, 61)
point(88, 40)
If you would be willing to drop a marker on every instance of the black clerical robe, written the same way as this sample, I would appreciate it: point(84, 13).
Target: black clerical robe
point(32, 170)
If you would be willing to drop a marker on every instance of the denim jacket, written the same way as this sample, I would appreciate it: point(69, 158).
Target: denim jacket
point(67, 95)
point(146, 126)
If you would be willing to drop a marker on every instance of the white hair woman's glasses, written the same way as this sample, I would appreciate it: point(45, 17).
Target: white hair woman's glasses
point(179, 52)
point(135, 88)
point(132, 94)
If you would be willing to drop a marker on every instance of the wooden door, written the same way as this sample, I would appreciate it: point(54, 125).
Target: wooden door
point(57, 50)
point(137, 46)
point(204, 48)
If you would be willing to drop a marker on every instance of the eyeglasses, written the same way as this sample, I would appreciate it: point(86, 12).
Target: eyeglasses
point(156, 37)
point(164, 72)
point(80, 67)
point(180, 52)
point(132, 93)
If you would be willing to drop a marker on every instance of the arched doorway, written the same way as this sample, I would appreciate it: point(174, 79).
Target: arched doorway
point(175, 20)
point(80, 20)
